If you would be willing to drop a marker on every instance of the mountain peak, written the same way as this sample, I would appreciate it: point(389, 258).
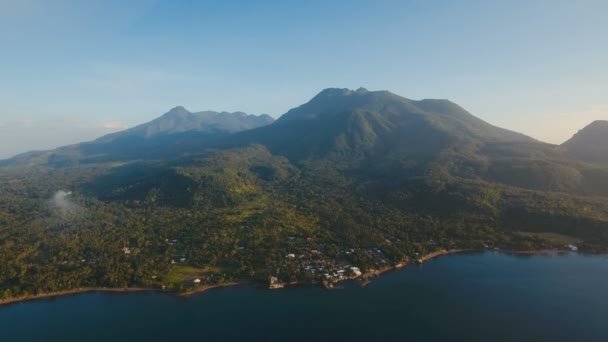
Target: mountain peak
point(180, 120)
point(590, 143)
point(331, 92)
point(337, 92)
point(597, 127)
point(179, 110)
point(598, 123)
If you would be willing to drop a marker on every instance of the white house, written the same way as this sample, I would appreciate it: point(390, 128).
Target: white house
point(356, 271)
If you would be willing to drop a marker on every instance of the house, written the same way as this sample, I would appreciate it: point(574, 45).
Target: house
point(196, 281)
point(290, 256)
point(274, 283)
point(126, 250)
point(573, 248)
point(356, 271)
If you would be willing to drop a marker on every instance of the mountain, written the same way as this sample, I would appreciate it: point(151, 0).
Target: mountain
point(353, 126)
point(171, 135)
point(352, 177)
point(180, 120)
point(380, 135)
point(590, 143)
point(373, 135)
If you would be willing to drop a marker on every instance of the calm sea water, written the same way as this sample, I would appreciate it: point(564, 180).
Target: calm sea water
point(469, 297)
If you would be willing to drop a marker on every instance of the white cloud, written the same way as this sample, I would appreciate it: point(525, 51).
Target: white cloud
point(114, 125)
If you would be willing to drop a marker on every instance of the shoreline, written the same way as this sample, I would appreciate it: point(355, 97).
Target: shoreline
point(82, 290)
point(365, 278)
point(75, 291)
point(533, 252)
point(443, 252)
point(204, 288)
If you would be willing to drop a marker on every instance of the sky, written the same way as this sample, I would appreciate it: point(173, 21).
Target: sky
point(71, 71)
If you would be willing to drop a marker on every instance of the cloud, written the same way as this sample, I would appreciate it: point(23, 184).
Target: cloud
point(61, 205)
point(114, 125)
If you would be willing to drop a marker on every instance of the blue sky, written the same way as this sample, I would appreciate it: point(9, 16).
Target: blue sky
point(74, 70)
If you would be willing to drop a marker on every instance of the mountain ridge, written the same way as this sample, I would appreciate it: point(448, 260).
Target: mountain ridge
point(180, 120)
point(589, 143)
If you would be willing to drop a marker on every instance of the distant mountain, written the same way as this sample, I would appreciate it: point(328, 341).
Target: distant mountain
point(590, 143)
point(180, 120)
point(171, 135)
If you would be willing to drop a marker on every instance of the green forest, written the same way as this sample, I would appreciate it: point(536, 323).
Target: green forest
point(235, 215)
point(351, 180)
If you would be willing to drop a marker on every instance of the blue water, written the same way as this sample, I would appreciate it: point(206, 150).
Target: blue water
point(467, 297)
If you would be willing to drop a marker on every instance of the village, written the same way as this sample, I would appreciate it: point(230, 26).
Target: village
point(324, 269)
point(300, 260)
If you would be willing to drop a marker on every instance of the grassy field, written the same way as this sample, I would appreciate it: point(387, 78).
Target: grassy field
point(185, 273)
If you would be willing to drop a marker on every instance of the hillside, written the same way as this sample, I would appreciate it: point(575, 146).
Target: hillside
point(590, 143)
point(364, 178)
point(383, 136)
point(345, 124)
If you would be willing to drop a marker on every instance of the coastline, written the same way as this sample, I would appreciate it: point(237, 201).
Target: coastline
point(365, 278)
point(442, 252)
point(81, 290)
point(204, 288)
point(74, 292)
point(533, 252)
